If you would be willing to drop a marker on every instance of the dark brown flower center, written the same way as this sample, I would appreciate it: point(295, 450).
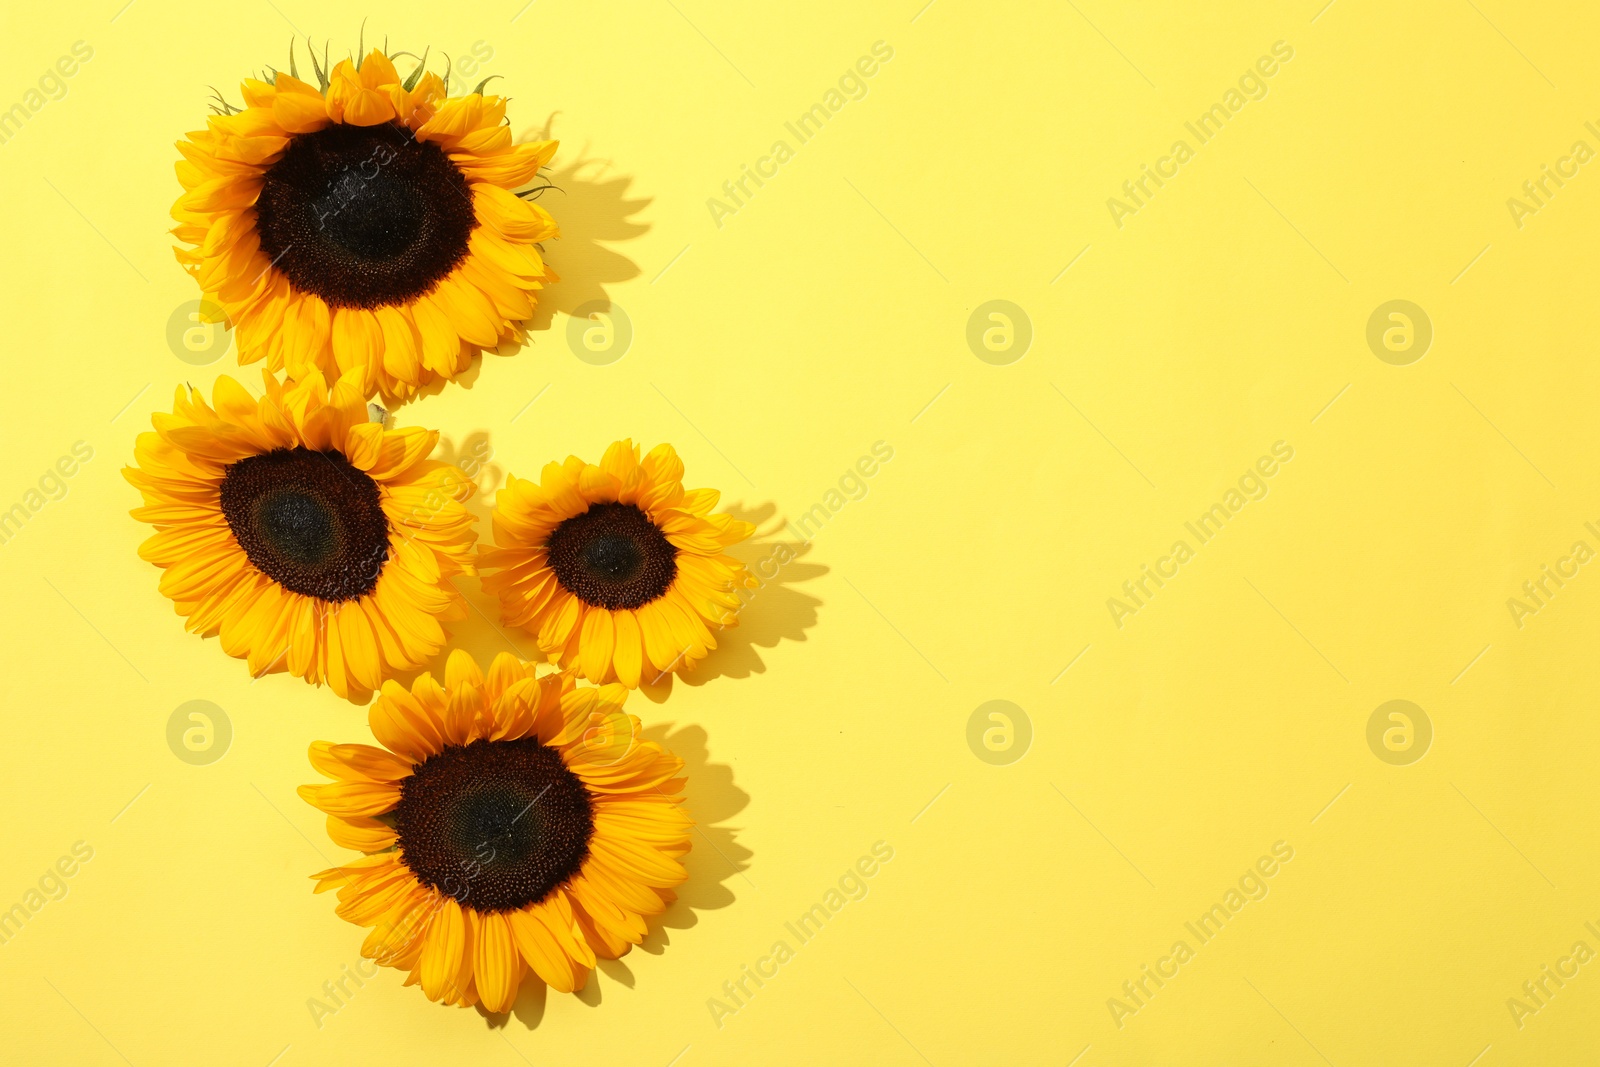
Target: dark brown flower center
point(364, 216)
point(308, 520)
point(612, 556)
point(495, 824)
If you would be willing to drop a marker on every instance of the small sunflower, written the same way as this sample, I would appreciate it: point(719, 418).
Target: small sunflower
point(511, 822)
point(369, 223)
point(617, 569)
point(302, 533)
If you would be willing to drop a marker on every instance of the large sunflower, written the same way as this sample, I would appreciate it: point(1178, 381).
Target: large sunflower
point(511, 822)
point(302, 533)
point(369, 223)
point(618, 570)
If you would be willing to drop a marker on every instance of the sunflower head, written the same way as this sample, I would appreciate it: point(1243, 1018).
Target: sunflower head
point(619, 571)
point(512, 823)
point(302, 534)
point(366, 221)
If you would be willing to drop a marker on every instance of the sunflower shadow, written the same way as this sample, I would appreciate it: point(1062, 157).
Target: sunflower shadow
point(715, 858)
point(593, 208)
point(771, 613)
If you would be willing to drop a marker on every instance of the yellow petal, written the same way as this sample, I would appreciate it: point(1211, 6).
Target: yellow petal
point(595, 644)
point(543, 952)
point(357, 338)
point(443, 949)
point(298, 113)
point(629, 648)
point(360, 832)
point(496, 965)
point(402, 345)
point(351, 798)
point(461, 669)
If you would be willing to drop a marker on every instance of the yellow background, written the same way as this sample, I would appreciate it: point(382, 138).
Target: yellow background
point(1229, 713)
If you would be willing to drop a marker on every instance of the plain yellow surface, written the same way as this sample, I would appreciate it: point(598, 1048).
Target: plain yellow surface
point(1225, 717)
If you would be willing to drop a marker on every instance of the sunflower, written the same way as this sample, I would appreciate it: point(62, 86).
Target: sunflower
point(303, 533)
point(617, 569)
point(511, 822)
point(366, 223)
